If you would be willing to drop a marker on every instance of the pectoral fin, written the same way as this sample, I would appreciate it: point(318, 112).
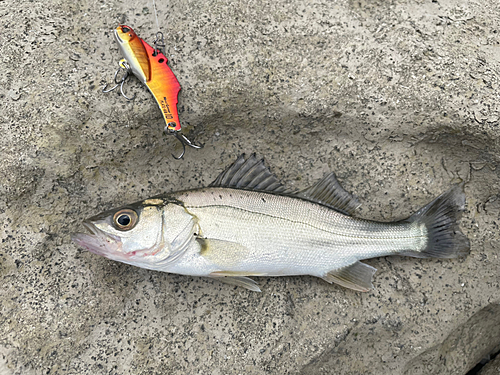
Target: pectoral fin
point(228, 255)
point(225, 254)
point(357, 276)
point(242, 281)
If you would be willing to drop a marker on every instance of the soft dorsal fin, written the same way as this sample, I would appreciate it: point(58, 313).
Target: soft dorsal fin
point(329, 192)
point(249, 174)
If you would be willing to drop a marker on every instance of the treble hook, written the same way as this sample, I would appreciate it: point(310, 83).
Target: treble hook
point(123, 65)
point(184, 141)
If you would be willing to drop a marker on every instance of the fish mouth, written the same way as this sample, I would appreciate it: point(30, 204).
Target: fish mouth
point(97, 242)
point(108, 245)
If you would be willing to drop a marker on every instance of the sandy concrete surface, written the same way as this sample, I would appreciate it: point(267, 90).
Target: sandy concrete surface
point(491, 368)
point(399, 98)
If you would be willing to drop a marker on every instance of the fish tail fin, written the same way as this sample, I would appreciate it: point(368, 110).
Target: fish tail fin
point(445, 240)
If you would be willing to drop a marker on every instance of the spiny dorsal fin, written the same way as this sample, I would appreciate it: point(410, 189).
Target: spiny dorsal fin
point(329, 192)
point(249, 174)
point(357, 276)
point(252, 174)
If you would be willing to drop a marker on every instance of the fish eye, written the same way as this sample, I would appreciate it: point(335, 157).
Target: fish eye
point(125, 29)
point(125, 219)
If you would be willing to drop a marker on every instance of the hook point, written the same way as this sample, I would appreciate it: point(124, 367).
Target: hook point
point(183, 140)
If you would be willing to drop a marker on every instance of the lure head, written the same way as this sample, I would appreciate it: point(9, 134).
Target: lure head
point(134, 52)
point(124, 34)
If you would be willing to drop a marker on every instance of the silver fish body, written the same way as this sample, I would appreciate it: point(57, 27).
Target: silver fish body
point(281, 235)
point(247, 224)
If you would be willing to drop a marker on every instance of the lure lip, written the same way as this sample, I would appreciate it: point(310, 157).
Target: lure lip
point(117, 37)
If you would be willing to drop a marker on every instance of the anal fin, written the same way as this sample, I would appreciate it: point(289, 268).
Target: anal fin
point(357, 276)
point(242, 281)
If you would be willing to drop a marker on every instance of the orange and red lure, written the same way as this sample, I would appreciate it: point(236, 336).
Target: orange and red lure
point(149, 65)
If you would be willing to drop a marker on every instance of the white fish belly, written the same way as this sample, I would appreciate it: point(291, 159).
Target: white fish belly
point(281, 235)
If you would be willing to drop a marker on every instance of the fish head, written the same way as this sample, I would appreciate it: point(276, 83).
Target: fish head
point(131, 234)
point(124, 34)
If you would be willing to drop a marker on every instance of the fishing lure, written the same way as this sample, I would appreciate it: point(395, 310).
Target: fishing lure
point(149, 65)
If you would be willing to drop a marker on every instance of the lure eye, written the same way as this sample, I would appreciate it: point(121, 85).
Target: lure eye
point(125, 219)
point(125, 29)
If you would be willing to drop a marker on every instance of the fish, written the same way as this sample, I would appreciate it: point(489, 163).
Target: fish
point(149, 65)
point(248, 224)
